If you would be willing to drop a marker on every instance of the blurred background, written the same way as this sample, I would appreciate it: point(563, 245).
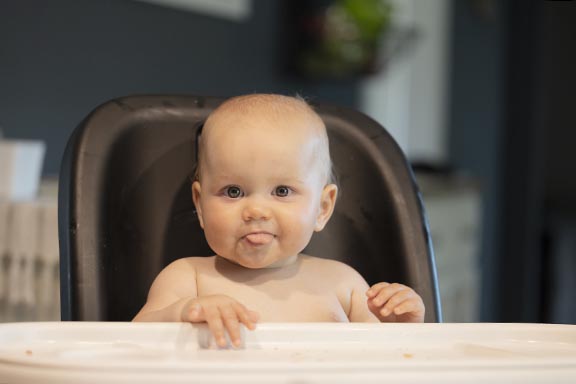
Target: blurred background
point(478, 93)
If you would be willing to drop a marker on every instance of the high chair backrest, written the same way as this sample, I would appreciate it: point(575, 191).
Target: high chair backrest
point(125, 206)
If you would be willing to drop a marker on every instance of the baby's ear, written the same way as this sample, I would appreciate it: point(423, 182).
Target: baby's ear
point(196, 192)
point(327, 203)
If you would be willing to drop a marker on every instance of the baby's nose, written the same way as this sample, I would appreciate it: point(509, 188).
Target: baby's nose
point(255, 209)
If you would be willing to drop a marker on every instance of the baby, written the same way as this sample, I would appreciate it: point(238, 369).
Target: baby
point(263, 187)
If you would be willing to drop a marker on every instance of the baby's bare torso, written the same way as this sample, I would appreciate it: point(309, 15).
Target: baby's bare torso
point(309, 290)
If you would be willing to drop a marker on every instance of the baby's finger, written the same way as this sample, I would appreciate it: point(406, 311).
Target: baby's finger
point(246, 317)
point(254, 316)
point(376, 288)
point(214, 320)
point(230, 319)
point(407, 306)
point(394, 301)
point(387, 292)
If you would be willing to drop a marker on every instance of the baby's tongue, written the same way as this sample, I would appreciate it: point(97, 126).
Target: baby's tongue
point(260, 238)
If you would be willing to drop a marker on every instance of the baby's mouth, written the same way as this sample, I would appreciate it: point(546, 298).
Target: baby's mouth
point(259, 238)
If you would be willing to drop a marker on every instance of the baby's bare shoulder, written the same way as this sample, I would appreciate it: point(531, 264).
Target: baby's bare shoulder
point(186, 265)
point(179, 277)
point(334, 267)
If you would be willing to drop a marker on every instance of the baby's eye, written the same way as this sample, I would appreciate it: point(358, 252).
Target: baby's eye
point(282, 191)
point(233, 192)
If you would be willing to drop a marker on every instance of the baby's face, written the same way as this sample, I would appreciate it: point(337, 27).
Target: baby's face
point(262, 191)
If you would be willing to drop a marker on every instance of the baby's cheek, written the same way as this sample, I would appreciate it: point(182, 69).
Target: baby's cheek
point(298, 232)
point(217, 231)
point(217, 217)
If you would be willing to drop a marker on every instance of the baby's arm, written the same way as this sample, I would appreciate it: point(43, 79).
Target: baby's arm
point(170, 293)
point(174, 297)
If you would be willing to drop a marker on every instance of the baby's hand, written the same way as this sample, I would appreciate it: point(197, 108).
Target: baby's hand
point(395, 303)
point(221, 313)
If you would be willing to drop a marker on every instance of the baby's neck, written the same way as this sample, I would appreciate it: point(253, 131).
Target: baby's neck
point(283, 262)
point(285, 269)
point(276, 265)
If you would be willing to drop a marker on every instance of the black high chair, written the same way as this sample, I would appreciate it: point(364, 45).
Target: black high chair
point(125, 206)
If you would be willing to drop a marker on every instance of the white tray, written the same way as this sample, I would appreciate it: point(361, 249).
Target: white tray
point(89, 352)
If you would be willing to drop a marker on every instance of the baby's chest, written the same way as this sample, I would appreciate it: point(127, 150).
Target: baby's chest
point(276, 302)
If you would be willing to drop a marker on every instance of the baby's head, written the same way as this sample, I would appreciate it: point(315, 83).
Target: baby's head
point(264, 179)
point(272, 112)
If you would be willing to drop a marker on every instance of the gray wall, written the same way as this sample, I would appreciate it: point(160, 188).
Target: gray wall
point(59, 59)
point(512, 120)
point(476, 113)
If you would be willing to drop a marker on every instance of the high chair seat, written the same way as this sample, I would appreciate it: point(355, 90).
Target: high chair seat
point(125, 206)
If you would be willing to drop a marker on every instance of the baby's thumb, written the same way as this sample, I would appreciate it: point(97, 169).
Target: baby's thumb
point(194, 314)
